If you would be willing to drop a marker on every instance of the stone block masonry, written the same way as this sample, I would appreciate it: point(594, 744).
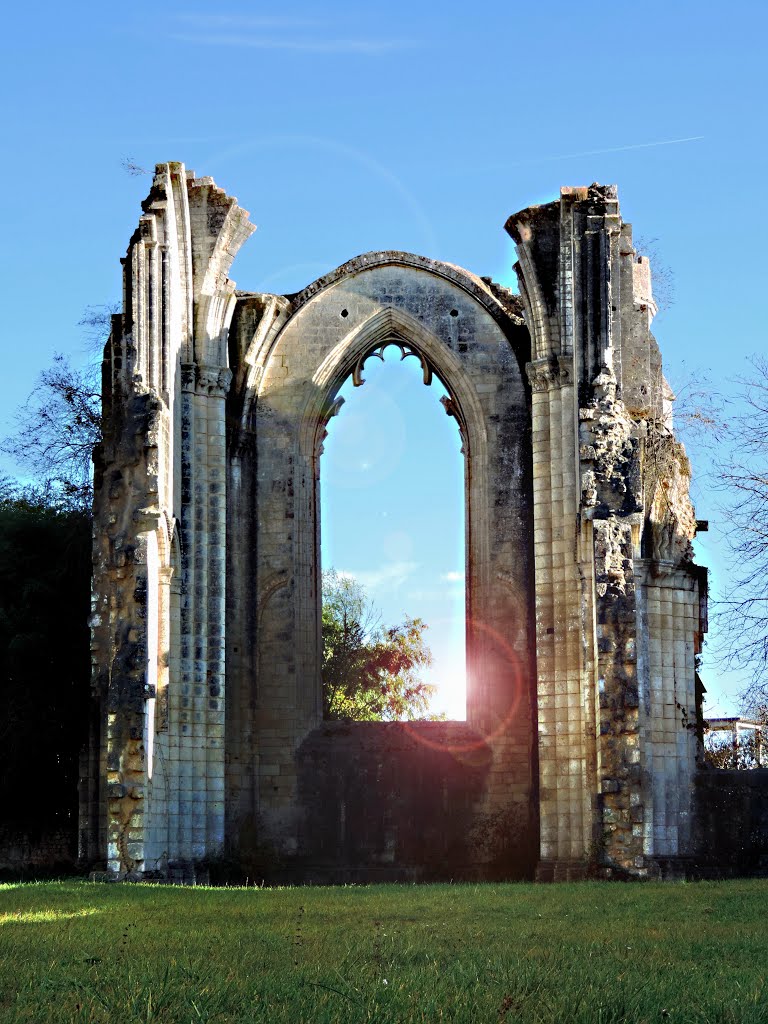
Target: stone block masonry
point(584, 609)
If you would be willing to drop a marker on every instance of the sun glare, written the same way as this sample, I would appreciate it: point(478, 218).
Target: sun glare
point(451, 696)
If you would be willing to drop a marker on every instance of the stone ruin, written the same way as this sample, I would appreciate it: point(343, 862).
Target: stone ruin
point(585, 610)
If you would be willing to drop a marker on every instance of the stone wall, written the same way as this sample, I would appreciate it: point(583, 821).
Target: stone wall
point(407, 801)
point(27, 853)
point(731, 822)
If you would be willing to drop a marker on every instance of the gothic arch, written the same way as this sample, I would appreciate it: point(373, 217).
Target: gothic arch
point(459, 331)
point(390, 326)
point(393, 326)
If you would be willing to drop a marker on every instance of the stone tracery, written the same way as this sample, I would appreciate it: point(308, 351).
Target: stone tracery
point(405, 349)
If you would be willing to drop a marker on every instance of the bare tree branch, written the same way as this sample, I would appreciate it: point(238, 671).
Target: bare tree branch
point(742, 478)
point(130, 166)
point(662, 275)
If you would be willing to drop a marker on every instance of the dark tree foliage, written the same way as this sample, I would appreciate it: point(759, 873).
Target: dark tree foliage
point(45, 573)
point(45, 569)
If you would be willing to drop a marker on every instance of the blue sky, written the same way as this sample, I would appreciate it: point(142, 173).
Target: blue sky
point(347, 128)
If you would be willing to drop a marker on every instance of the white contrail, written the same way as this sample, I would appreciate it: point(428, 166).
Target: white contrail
point(595, 152)
point(368, 47)
point(237, 21)
point(637, 145)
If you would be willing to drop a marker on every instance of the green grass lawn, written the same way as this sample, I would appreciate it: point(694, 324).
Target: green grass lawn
point(602, 952)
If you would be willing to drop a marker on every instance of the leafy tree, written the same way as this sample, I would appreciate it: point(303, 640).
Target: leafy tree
point(370, 672)
point(45, 568)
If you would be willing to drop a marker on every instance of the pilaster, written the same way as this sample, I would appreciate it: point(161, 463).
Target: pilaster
point(201, 706)
point(563, 700)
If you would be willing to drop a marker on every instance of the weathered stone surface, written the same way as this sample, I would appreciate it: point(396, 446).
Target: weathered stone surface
point(731, 822)
point(584, 609)
point(26, 851)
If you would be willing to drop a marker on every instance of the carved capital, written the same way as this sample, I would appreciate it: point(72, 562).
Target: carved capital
point(545, 374)
point(188, 376)
point(213, 380)
point(330, 409)
point(205, 380)
point(452, 409)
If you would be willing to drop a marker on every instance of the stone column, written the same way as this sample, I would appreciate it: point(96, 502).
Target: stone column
point(181, 710)
point(199, 708)
point(565, 704)
point(213, 384)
